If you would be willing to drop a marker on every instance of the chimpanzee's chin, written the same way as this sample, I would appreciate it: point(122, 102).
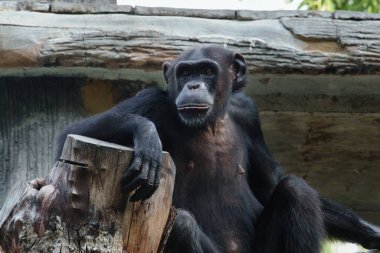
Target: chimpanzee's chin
point(195, 119)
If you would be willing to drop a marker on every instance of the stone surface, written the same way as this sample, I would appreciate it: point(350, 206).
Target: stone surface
point(31, 5)
point(162, 11)
point(8, 6)
point(336, 153)
point(104, 2)
point(355, 15)
point(312, 28)
point(257, 15)
point(76, 8)
point(311, 45)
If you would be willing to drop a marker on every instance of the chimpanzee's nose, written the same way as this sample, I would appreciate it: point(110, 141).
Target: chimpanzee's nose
point(193, 86)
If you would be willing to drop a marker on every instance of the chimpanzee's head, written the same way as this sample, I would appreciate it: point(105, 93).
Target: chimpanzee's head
point(200, 81)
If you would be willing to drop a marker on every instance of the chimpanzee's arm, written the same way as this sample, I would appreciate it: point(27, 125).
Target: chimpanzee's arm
point(123, 125)
point(263, 173)
point(342, 223)
point(108, 126)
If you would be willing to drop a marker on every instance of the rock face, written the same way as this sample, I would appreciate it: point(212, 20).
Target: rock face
point(142, 37)
point(314, 76)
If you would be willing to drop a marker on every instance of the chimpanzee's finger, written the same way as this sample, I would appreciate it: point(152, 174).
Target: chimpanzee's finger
point(157, 176)
point(146, 190)
point(138, 180)
point(132, 170)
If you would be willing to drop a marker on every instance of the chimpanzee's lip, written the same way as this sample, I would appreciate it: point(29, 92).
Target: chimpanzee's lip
point(194, 107)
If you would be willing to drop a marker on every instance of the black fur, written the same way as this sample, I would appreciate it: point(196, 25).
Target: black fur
point(231, 194)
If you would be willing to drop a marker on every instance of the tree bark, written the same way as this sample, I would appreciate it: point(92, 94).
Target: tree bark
point(79, 207)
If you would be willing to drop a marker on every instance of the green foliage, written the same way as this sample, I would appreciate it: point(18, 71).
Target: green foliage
point(326, 247)
point(372, 6)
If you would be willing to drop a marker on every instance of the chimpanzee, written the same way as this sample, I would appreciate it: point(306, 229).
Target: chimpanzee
point(231, 194)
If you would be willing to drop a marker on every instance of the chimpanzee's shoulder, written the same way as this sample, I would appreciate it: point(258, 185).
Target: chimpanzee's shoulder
point(152, 103)
point(242, 108)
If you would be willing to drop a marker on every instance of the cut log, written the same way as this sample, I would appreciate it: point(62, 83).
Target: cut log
point(79, 207)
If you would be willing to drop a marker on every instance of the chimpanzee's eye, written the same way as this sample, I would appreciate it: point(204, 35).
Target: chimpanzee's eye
point(207, 71)
point(185, 73)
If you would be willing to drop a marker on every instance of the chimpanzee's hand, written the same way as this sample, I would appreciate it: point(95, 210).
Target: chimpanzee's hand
point(144, 171)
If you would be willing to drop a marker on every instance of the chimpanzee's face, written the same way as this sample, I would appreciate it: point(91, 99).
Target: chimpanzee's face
point(200, 81)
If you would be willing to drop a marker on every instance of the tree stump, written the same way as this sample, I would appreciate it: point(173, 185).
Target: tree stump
point(79, 207)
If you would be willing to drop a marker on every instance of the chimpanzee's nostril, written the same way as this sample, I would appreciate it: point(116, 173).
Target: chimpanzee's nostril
point(193, 86)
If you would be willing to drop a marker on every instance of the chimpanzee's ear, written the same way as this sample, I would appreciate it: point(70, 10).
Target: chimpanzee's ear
point(165, 69)
point(239, 67)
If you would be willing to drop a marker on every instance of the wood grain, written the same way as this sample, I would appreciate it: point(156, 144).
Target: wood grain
point(79, 207)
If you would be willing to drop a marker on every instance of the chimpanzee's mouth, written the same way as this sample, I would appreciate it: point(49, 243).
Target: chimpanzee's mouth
point(195, 115)
point(194, 108)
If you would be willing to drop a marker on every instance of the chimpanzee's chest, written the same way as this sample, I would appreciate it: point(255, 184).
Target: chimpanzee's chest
point(211, 157)
point(211, 183)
